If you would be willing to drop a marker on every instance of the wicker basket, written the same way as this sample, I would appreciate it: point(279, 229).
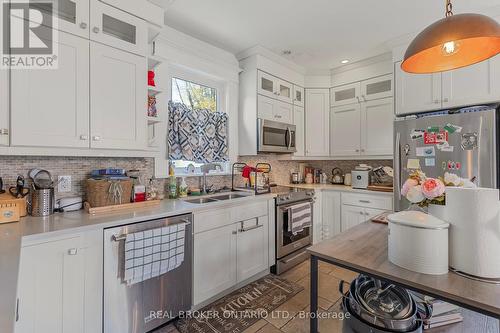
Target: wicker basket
point(99, 194)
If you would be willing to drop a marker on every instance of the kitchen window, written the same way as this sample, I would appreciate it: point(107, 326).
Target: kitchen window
point(197, 96)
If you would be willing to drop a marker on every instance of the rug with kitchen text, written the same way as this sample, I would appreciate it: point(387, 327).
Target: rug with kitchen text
point(240, 309)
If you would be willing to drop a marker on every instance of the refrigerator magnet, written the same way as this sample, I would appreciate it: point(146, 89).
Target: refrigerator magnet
point(433, 129)
point(413, 163)
point(430, 162)
point(425, 151)
point(452, 128)
point(417, 134)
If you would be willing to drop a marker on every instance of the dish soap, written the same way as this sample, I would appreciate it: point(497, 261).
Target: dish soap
point(172, 184)
point(183, 188)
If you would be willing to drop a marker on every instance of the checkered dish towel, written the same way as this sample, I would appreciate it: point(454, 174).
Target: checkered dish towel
point(299, 217)
point(153, 252)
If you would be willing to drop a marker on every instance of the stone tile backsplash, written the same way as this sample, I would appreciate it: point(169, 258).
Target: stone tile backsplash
point(79, 169)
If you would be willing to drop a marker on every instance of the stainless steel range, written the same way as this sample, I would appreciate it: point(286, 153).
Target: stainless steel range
point(291, 244)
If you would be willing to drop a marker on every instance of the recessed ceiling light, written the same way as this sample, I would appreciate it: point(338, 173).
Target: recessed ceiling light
point(345, 61)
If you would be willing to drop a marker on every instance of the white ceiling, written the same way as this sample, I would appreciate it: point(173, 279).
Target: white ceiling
point(320, 33)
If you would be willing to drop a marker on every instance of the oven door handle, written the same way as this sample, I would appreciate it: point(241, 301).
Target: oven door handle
point(287, 138)
point(123, 237)
point(287, 207)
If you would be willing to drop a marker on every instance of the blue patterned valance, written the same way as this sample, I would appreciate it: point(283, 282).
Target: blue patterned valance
point(197, 135)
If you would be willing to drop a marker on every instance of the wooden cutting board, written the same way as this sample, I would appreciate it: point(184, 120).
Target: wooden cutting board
point(380, 188)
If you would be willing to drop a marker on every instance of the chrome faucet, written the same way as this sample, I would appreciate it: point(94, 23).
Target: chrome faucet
point(205, 169)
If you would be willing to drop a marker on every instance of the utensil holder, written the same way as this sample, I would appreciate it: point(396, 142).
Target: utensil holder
point(42, 202)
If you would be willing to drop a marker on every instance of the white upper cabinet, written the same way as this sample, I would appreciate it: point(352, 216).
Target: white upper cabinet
point(345, 129)
point(116, 28)
point(298, 95)
point(118, 98)
point(472, 85)
point(377, 119)
point(4, 107)
point(267, 84)
point(73, 16)
point(272, 109)
point(298, 121)
point(346, 94)
point(376, 88)
point(50, 108)
point(285, 91)
point(271, 86)
point(416, 92)
point(317, 126)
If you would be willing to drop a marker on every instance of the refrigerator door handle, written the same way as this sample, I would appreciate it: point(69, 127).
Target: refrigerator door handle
point(397, 161)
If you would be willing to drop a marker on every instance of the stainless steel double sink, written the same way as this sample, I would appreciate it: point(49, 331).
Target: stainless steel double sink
point(218, 197)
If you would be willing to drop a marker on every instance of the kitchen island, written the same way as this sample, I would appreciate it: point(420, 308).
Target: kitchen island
point(363, 249)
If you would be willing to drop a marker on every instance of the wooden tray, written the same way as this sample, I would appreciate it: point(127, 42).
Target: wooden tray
point(380, 188)
point(118, 208)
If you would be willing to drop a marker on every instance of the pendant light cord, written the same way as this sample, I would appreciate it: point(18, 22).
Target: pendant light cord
point(449, 8)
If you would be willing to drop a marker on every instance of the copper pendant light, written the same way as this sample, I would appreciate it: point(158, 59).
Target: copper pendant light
point(453, 42)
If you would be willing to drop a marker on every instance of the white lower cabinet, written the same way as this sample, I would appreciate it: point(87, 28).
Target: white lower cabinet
point(251, 245)
point(214, 262)
point(331, 204)
point(352, 216)
point(60, 286)
point(231, 245)
point(358, 208)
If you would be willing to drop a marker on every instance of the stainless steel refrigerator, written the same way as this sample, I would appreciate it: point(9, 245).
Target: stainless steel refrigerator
point(463, 142)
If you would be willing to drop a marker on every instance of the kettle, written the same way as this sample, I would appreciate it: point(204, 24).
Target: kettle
point(337, 176)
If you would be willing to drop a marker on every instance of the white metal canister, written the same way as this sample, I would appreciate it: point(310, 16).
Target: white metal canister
point(418, 242)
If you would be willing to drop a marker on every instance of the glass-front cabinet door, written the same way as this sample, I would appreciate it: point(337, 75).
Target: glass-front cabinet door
point(298, 95)
point(267, 85)
point(69, 15)
point(346, 94)
point(376, 88)
point(119, 29)
point(285, 91)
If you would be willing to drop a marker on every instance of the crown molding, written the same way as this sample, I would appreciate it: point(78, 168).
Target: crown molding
point(260, 50)
point(362, 63)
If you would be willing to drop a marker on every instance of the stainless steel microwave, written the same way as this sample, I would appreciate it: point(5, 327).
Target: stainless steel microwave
point(275, 137)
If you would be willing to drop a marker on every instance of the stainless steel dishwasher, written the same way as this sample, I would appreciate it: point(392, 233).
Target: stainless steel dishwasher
point(141, 307)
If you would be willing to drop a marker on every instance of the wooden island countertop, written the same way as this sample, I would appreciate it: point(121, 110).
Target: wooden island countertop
point(364, 249)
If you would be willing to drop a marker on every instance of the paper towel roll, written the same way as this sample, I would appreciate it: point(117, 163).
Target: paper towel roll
point(474, 215)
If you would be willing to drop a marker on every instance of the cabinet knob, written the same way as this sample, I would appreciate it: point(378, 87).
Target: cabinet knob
point(362, 213)
point(96, 30)
point(84, 137)
point(4, 131)
point(96, 138)
point(234, 232)
point(72, 252)
point(357, 150)
point(83, 25)
point(362, 150)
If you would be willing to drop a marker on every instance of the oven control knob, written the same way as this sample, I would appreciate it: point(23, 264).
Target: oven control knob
point(310, 194)
point(287, 197)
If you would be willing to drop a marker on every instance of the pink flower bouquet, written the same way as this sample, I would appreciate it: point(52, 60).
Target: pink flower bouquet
point(421, 190)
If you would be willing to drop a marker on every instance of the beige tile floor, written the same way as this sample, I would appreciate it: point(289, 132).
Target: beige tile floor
point(290, 316)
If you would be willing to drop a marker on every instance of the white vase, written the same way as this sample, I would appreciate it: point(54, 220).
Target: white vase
point(438, 211)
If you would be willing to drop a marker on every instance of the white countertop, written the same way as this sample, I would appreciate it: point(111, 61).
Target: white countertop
point(341, 188)
point(13, 234)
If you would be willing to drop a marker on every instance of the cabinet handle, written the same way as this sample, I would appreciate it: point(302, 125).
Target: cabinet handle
point(364, 98)
point(436, 101)
point(357, 150)
point(362, 150)
point(446, 100)
point(84, 137)
point(17, 310)
point(365, 201)
point(367, 214)
point(362, 213)
point(83, 25)
point(96, 138)
point(4, 131)
point(234, 232)
point(73, 251)
point(277, 116)
point(251, 228)
point(96, 30)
